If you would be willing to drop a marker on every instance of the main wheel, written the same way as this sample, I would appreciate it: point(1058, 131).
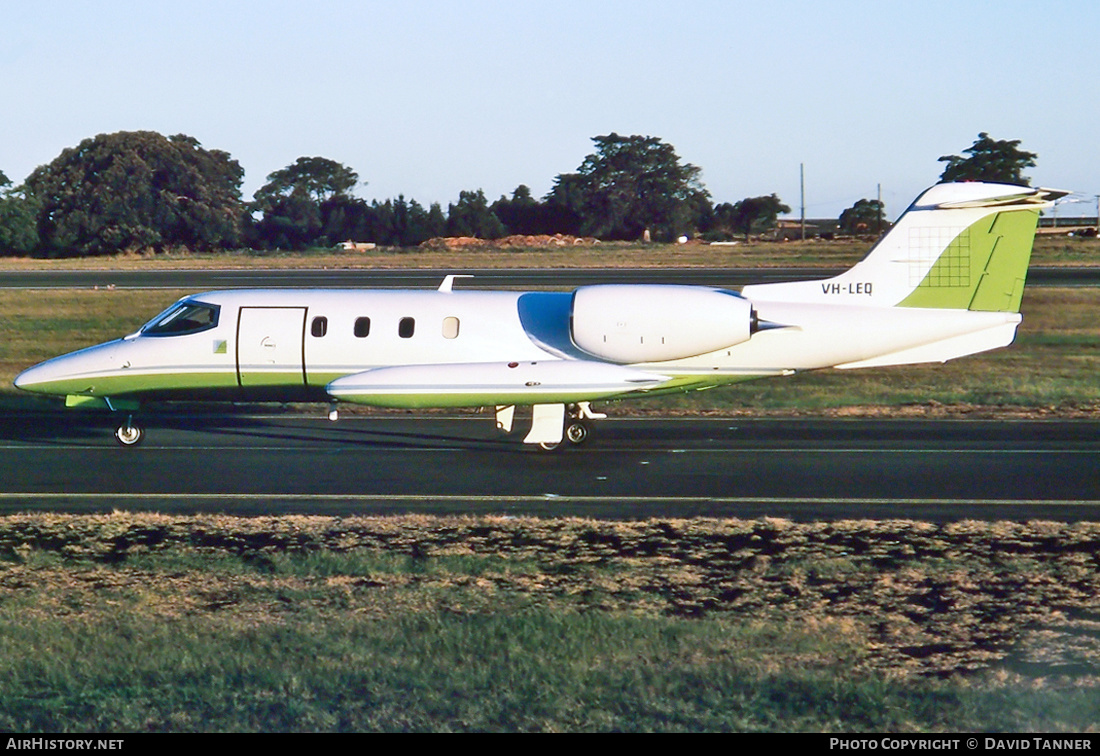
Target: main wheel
point(576, 433)
point(129, 434)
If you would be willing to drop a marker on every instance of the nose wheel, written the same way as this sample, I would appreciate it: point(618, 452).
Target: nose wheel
point(129, 434)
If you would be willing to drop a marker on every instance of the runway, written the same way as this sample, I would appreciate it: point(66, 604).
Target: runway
point(629, 468)
point(201, 280)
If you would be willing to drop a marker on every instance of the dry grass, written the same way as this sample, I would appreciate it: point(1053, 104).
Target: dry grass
point(1004, 601)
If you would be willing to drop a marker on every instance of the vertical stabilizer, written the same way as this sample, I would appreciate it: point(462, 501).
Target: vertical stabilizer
point(963, 246)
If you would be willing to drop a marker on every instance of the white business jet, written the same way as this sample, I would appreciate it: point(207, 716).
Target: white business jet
point(946, 281)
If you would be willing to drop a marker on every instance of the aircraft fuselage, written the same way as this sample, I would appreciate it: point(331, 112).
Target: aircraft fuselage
point(294, 344)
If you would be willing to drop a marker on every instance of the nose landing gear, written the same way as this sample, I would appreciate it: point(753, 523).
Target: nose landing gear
point(129, 434)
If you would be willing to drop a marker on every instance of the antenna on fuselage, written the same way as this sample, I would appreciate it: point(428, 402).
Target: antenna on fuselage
point(449, 281)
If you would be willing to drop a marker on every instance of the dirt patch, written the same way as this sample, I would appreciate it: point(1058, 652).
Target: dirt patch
point(521, 241)
point(1015, 600)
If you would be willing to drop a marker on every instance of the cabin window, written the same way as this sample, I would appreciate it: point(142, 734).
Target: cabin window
point(183, 318)
point(406, 328)
point(362, 328)
point(319, 327)
point(450, 328)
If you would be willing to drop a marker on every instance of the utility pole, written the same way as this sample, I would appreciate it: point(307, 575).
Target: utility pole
point(878, 211)
point(802, 192)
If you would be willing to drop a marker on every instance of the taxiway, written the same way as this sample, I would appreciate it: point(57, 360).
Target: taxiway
point(629, 468)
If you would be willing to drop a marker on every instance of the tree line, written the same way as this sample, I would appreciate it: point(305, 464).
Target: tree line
point(141, 190)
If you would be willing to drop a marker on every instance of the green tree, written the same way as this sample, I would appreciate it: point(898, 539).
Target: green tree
point(864, 217)
point(423, 224)
point(563, 207)
point(471, 216)
point(290, 222)
point(990, 160)
point(18, 232)
point(136, 190)
point(405, 223)
point(522, 214)
point(754, 215)
point(392, 221)
point(384, 228)
point(344, 217)
point(317, 177)
point(303, 203)
point(634, 184)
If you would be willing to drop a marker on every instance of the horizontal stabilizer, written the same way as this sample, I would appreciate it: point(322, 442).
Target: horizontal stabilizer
point(495, 383)
point(976, 194)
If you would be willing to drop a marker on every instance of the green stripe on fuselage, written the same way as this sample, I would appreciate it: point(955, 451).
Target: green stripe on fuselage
point(120, 384)
point(983, 268)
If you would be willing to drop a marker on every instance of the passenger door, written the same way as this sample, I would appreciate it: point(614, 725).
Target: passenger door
point(270, 345)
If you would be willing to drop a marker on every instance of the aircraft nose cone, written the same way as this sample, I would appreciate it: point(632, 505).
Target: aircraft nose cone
point(42, 378)
point(33, 377)
point(66, 374)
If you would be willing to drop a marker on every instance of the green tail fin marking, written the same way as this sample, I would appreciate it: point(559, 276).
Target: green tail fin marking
point(983, 268)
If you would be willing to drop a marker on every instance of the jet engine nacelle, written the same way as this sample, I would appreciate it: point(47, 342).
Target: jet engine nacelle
point(655, 323)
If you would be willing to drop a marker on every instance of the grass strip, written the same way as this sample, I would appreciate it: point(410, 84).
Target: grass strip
point(137, 622)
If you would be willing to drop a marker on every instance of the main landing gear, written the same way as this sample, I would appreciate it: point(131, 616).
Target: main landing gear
point(576, 433)
point(552, 423)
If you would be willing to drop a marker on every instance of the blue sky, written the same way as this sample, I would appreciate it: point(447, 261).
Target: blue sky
point(427, 98)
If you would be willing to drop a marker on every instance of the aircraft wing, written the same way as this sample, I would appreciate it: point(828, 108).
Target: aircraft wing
point(492, 383)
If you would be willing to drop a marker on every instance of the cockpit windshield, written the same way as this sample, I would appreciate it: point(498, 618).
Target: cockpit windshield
point(183, 318)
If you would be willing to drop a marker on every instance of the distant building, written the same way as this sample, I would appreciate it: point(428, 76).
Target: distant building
point(789, 229)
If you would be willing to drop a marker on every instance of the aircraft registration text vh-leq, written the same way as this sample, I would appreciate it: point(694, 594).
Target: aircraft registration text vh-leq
point(944, 282)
